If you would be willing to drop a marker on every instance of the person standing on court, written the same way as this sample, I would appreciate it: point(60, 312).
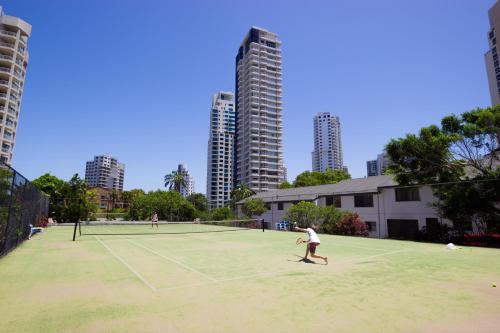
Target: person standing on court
point(154, 220)
point(312, 243)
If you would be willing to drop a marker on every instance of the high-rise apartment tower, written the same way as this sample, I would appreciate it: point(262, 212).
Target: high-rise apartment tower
point(258, 139)
point(14, 34)
point(187, 188)
point(220, 149)
point(327, 152)
point(105, 172)
point(371, 168)
point(491, 57)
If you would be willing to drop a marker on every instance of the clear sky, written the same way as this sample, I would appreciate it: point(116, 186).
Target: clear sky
point(135, 78)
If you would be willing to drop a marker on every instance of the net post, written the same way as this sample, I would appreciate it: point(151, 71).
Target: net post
point(74, 231)
point(263, 225)
point(79, 229)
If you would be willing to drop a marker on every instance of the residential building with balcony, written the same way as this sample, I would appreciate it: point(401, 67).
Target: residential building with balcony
point(220, 149)
point(14, 35)
point(491, 57)
point(371, 168)
point(258, 148)
point(105, 172)
point(327, 152)
point(188, 187)
point(377, 167)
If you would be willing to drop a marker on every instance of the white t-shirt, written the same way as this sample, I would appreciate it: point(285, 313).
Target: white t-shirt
point(313, 238)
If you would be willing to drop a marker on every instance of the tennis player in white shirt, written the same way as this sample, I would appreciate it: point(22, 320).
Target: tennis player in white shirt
point(312, 243)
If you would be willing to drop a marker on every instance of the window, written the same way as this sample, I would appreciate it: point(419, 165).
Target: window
point(363, 200)
point(268, 206)
point(280, 206)
point(407, 194)
point(372, 226)
point(333, 200)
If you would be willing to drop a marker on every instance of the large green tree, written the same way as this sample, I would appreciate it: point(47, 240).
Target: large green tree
point(311, 178)
point(68, 201)
point(253, 207)
point(463, 155)
point(304, 214)
point(199, 201)
point(169, 205)
point(239, 193)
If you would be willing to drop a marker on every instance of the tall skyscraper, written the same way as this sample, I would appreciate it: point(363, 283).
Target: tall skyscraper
point(258, 139)
point(491, 57)
point(327, 152)
point(14, 34)
point(377, 167)
point(105, 172)
point(371, 168)
point(188, 187)
point(220, 149)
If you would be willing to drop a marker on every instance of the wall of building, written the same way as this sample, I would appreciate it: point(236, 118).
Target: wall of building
point(385, 207)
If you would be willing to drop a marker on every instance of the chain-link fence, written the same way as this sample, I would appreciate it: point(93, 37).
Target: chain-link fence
point(22, 205)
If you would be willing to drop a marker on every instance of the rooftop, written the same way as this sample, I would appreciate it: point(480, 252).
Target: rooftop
point(349, 186)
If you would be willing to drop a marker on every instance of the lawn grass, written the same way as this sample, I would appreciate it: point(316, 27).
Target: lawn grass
point(245, 281)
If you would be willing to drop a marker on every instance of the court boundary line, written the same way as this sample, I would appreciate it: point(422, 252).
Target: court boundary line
point(272, 273)
point(130, 268)
point(172, 260)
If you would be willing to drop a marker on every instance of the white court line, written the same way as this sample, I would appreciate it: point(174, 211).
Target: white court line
point(359, 247)
point(245, 277)
point(173, 260)
point(377, 255)
point(127, 265)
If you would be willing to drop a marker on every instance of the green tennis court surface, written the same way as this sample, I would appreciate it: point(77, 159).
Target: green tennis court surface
point(244, 281)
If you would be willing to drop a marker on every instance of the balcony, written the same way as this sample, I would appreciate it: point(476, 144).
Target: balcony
point(4, 83)
point(8, 45)
point(8, 33)
point(5, 57)
point(5, 69)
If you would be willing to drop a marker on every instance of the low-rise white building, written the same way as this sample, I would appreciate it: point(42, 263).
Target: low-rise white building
point(388, 210)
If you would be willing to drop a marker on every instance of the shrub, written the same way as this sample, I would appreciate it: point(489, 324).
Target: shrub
point(350, 224)
point(221, 213)
point(330, 217)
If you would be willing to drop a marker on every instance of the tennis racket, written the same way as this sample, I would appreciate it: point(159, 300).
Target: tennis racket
point(299, 241)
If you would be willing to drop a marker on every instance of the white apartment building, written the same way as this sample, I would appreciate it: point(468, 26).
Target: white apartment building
point(491, 57)
point(387, 209)
point(220, 149)
point(327, 152)
point(14, 34)
point(258, 137)
point(188, 187)
point(105, 172)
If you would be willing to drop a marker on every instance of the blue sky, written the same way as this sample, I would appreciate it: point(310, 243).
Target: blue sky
point(135, 78)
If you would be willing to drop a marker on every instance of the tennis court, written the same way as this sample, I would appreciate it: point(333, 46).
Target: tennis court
point(172, 280)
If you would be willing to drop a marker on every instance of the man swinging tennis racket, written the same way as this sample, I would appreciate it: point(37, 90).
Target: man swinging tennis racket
point(312, 243)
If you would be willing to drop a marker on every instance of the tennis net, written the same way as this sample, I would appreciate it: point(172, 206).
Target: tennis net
point(147, 228)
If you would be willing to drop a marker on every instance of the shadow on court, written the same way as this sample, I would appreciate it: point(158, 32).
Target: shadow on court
point(304, 260)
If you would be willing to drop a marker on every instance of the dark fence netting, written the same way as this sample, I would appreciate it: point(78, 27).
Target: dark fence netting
point(22, 205)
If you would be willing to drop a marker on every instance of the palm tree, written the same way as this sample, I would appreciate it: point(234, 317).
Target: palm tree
point(239, 193)
point(175, 180)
